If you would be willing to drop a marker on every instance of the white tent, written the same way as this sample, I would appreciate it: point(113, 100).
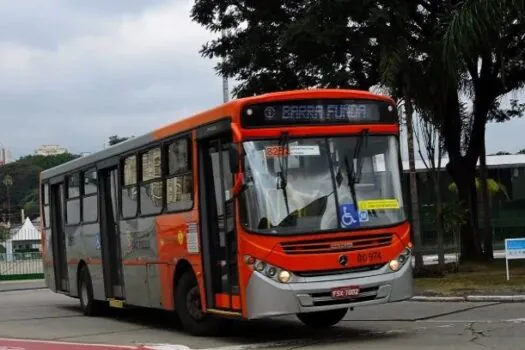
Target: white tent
point(27, 232)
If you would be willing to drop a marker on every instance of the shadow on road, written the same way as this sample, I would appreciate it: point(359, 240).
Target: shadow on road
point(276, 330)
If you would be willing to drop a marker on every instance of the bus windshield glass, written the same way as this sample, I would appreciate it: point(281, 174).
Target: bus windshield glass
point(311, 185)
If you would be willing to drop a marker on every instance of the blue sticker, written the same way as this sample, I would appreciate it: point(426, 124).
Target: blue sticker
point(363, 216)
point(97, 243)
point(349, 216)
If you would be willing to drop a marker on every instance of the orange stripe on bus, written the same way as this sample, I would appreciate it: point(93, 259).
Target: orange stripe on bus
point(236, 301)
point(222, 301)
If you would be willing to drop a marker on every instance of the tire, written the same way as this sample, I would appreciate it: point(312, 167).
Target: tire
point(88, 305)
point(189, 309)
point(322, 319)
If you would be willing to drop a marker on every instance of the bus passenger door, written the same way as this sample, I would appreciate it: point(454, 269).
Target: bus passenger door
point(110, 234)
point(58, 237)
point(219, 241)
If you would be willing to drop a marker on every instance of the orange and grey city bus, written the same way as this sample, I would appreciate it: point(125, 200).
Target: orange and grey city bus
point(284, 203)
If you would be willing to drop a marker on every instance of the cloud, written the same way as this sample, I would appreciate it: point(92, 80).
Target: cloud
point(123, 69)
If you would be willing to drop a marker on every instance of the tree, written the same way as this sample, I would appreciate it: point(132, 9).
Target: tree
point(26, 173)
point(276, 45)
point(427, 52)
point(483, 39)
point(430, 148)
point(446, 72)
point(521, 151)
point(113, 140)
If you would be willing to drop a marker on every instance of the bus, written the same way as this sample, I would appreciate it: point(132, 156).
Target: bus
point(286, 203)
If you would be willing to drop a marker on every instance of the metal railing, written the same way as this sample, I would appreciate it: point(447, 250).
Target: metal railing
point(20, 254)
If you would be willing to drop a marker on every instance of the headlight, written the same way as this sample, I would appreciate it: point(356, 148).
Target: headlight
point(394, 265)
point(273, 272)
point(284, 276)
point(398, 262)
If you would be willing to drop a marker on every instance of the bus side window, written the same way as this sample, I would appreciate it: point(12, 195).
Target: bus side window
point(89, 196)
point(179, 181)
point(73, 199)
point(129, 187)
point(151, 194)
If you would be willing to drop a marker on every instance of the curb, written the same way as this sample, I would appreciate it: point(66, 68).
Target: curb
point(474, 298)
point(20, 290)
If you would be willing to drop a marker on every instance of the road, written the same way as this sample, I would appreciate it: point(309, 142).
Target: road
point(40, 314)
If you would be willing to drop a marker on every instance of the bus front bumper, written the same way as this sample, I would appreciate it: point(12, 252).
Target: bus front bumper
point(266, 297)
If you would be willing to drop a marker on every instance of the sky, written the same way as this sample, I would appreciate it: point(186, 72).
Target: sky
point(76, 72)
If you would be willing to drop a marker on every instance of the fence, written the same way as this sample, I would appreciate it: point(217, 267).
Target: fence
point(20, 253)
point(507, 207)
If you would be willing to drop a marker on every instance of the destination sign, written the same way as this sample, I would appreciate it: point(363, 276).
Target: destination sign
point(311, 112)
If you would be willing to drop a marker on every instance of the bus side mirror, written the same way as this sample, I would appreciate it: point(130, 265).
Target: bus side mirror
point(234, 158)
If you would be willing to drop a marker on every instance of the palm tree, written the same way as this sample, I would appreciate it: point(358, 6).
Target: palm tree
point(480, 33)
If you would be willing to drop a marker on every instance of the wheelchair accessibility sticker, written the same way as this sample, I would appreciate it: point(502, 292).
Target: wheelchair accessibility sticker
point(350, 217)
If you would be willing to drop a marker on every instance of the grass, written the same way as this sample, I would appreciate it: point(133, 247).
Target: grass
point(474, 279)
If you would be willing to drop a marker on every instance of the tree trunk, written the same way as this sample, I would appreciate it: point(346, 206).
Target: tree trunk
point(416, 224)
point(465, 179)
point(485, 205)
point(439, 222)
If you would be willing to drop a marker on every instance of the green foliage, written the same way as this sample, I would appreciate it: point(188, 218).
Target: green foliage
point(25, 173)
point(4, 233)
point(426, 52)
point(454, 216)
point(493, 186)
point(276, 45)
point(521, 151)
point(113, 140)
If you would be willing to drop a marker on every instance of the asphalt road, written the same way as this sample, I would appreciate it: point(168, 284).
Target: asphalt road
point(40, 314)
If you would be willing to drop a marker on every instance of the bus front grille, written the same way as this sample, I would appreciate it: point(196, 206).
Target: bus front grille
point(336, 245)
point(322, 273)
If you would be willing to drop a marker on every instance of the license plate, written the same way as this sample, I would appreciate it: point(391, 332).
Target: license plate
point(345, 292)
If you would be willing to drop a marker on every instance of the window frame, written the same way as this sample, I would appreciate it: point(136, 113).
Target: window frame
point(71, 199)
point(188, 171)
point(157, 179)
point(83, 195)
point(122, 169)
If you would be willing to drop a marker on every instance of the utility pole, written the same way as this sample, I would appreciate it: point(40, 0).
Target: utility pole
point(416, 221)
point(8, 182)
point(225, 89)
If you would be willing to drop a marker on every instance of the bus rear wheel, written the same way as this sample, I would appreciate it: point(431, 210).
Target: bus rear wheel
point(189, 308)
point(322, 319)
point(89, 306)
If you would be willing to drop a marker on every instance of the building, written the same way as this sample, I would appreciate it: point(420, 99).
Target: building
point(507, 205)
point(50, 150)
point(5, 156)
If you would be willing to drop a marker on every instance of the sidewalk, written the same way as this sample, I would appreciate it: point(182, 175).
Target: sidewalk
point(11, 286)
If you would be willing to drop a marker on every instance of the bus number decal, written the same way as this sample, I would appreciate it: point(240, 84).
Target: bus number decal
point(370, 257)
point(192, 238)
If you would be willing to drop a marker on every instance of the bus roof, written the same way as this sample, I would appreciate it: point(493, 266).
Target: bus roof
point(208, 116)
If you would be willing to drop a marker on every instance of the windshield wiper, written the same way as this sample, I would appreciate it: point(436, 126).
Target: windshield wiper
point(283, 167)
point(354, 175)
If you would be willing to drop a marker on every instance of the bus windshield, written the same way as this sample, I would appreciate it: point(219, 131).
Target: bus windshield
point(300, 185)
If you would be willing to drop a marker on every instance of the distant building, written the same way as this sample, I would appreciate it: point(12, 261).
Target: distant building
point(5, 156)
point(50, 150)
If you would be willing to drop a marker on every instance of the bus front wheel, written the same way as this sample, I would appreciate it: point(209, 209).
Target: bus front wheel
point(322, 319)
point(89, 306)
point(189, 308)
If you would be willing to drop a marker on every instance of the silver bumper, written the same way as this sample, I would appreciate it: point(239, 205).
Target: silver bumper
point(267, 298)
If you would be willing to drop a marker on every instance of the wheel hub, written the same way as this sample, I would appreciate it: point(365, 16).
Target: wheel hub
point(193, 304)
point(84, 294)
